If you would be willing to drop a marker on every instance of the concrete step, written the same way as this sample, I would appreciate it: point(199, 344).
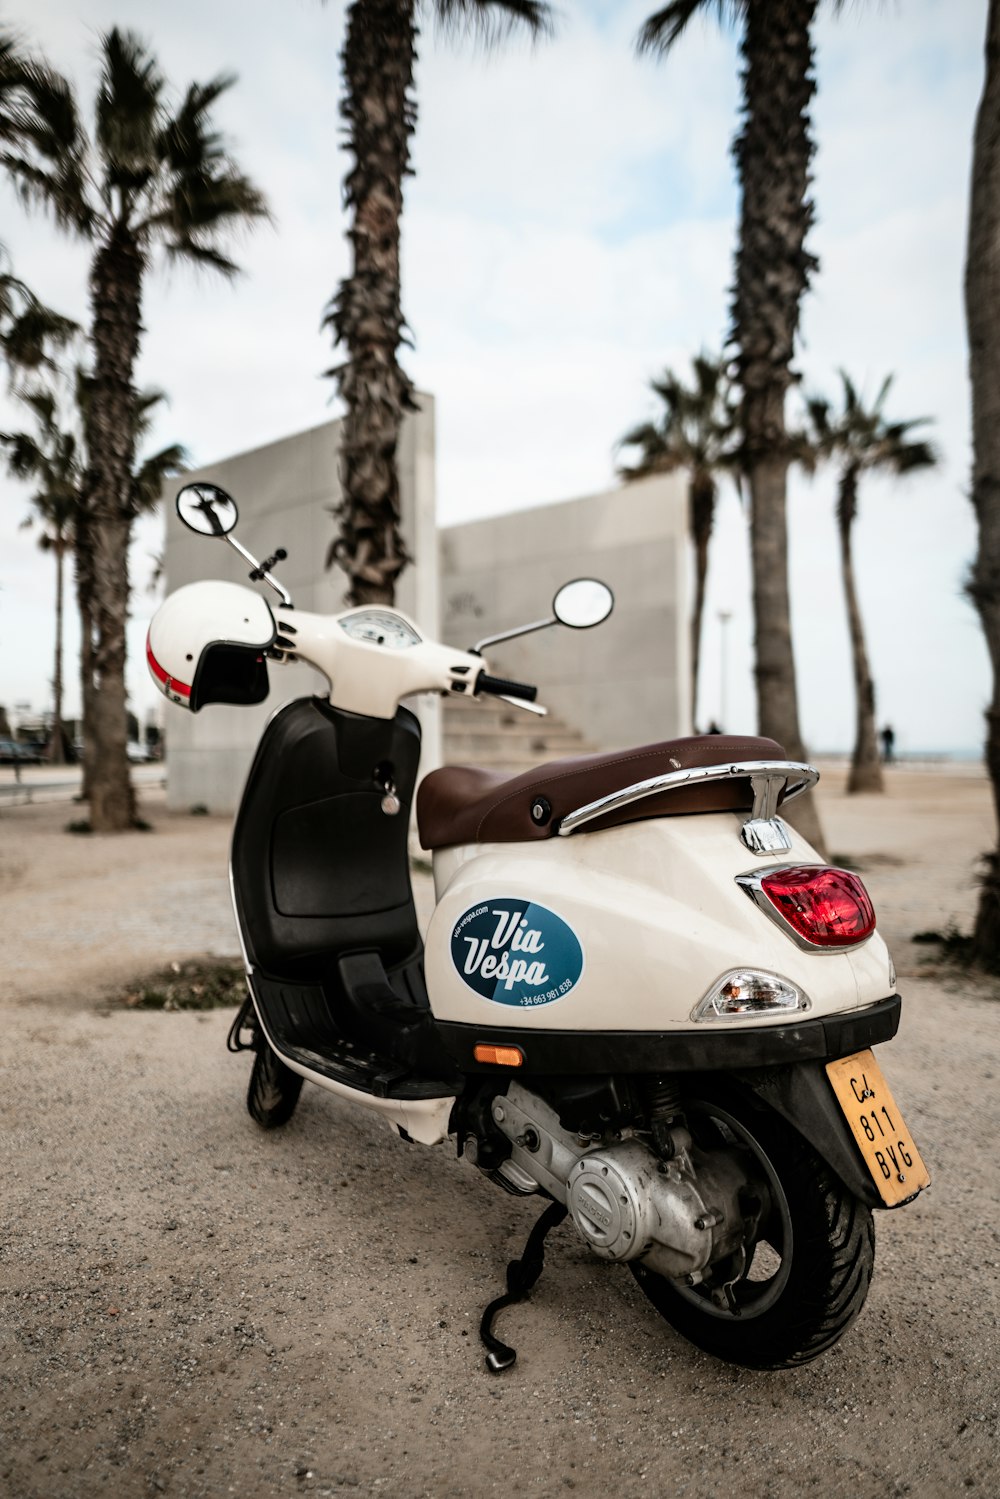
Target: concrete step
point(460, 716)
point(498, 737)
point(482, 741)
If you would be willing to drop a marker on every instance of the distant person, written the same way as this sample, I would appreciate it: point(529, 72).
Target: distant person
point(713, 728)
point(888, 744)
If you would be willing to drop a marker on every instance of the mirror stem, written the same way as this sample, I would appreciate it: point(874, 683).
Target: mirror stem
point(282, 592)
point(540, 624)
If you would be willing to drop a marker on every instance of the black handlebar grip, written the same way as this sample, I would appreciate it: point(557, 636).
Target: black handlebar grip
point(500, 687)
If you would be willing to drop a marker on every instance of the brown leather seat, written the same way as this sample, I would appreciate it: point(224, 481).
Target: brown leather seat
point(463, 804)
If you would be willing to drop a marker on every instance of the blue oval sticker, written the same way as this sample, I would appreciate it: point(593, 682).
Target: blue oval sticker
point(514, 952)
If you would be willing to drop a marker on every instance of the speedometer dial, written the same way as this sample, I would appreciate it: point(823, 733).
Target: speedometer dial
point(380, 627)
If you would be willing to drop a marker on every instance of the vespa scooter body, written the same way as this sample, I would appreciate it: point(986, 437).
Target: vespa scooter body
point(643, 995)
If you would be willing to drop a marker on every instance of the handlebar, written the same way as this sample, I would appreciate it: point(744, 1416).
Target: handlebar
point(501, 687)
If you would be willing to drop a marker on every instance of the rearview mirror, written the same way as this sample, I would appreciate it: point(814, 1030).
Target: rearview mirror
point(583, 603)
point(207, 509)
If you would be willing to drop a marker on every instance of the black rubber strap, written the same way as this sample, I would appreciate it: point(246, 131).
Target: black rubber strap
point(521, 1276)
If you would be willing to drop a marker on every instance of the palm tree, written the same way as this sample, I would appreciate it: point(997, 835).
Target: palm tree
point(52, 460)
point(366, 313)
point(144, 493)
point(982, 311)
point(150, 175)
point(29, 331)
point(773, 153)
point(53, 457)
point(860, 440)
point(696, 431)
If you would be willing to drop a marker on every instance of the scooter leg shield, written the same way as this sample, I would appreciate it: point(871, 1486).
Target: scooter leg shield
point(801, 1093)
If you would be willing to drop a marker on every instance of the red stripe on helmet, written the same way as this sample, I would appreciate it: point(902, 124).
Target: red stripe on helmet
point(170, 683)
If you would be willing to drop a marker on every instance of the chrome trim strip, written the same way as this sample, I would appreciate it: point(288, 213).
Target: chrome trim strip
point(766, 778)
point(751, 885)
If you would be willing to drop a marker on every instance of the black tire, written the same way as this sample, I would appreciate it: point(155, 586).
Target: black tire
point(274, 1089)
point(810, 1267)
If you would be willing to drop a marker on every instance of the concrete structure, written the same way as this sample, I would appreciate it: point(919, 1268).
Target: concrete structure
point(623, 683)
point(626, 682)
point(285, 491)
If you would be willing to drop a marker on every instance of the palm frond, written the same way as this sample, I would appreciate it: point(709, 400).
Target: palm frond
point(24, 457)
point(203, 191)
point(129, 109)
point(61, 190)
point(861, 440)
point(147, 485)
point(50, 165)
point(30, 339)
point(696, 429)
point(41, 402)
point(883, 392)
point(662, 29)
point(186, 143)
point(492, 21)
point(146, 402)
point(202, 256)
point(914, 455)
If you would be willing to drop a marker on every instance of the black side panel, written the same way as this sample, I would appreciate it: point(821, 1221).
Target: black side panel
point(301, 845)
point(318, 868)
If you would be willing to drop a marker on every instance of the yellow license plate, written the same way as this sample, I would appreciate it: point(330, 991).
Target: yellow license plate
point(877, 1125)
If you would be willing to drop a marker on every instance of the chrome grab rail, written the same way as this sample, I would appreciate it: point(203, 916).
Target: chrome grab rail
point(767, 777)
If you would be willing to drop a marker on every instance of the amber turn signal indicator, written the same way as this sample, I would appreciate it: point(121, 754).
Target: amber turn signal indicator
point(498, 1056)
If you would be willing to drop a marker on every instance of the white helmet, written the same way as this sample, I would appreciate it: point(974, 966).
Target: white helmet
point(206, 644)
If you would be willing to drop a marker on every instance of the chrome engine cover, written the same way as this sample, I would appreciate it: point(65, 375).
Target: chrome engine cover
point(628, 1207)
point(677, 1216)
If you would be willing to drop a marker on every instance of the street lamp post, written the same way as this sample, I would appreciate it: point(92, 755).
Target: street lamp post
point(725, 615)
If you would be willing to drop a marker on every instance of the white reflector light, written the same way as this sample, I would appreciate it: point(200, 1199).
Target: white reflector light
point(747, 991)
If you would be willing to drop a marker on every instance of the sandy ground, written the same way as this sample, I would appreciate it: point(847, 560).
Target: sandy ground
point(191, 1307)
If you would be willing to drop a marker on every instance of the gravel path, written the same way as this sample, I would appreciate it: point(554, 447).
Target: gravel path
point(191, 1307)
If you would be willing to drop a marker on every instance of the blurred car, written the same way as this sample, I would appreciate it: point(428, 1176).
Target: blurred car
point(137, 753)
point(12, 753)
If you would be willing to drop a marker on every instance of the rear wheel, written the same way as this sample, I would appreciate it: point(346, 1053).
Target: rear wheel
point(804, 1275)
point(274, 1089)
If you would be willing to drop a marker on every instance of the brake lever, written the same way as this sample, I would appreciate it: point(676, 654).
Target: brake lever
point(519, 702)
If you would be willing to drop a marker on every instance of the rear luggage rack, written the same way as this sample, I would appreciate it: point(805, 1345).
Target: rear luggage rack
point(762, 832)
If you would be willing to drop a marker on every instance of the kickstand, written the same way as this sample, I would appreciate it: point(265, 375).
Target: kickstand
point(521, 1276)
point(245, 1020)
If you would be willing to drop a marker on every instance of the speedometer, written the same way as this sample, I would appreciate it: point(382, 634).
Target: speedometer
point(380, 627)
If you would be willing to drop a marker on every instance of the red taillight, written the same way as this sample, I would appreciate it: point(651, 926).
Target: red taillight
point(827, 907)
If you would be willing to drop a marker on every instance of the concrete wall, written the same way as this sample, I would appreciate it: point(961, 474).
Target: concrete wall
point(624, 682)
point(284, 492)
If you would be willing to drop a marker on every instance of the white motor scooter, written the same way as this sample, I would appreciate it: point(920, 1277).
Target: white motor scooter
point(642, 994)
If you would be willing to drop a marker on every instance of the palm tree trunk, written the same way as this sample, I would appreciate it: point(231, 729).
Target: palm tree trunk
point(57, 743)
point(366, 314)
point(84, 595)
point(773, 154)
point(701, 505)
point(982, 307)
point(116, 289)
point(866, 770)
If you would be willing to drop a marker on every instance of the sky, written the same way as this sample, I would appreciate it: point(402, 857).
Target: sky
point(568, 233)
